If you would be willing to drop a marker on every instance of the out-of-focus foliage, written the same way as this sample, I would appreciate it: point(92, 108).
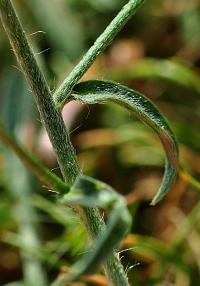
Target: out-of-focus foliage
point(156, 53)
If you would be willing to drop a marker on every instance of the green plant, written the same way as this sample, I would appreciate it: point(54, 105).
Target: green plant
point(80, 190)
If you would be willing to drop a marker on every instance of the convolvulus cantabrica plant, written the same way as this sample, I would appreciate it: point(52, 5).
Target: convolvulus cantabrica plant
point(85, 193)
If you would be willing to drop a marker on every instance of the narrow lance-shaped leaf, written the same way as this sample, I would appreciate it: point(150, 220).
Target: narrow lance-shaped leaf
point(89, 192)
point(96, 91)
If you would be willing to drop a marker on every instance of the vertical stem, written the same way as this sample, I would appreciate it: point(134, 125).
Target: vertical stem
point(112, 267)
point(50, 117)
point(54, 124)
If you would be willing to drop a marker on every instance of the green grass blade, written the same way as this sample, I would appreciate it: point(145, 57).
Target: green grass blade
point(37, 168)
point(169, 70)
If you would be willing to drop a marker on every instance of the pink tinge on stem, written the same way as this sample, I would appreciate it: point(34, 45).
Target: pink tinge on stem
point(44, 147)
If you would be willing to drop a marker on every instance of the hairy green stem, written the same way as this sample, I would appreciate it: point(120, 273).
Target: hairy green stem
point(54, 124)
point(51, 118)
point(100, 44)
point(90, 192)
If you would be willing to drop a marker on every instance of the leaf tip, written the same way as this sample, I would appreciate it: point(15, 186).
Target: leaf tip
point(155, 200)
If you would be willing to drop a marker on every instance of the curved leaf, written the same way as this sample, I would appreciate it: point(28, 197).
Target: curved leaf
point(89, 192)
point(95, 91)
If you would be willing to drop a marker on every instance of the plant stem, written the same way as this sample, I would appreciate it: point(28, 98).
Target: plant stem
point(100, 44)
point(54, 124)
point(50, 117)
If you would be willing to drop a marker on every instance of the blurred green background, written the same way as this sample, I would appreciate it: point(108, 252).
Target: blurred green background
point(157, 53)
